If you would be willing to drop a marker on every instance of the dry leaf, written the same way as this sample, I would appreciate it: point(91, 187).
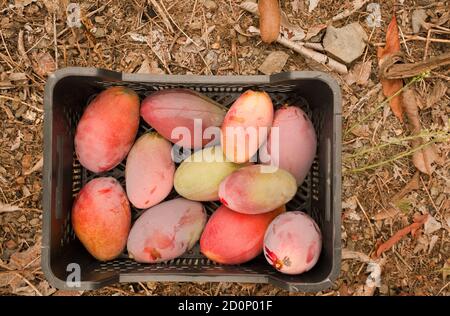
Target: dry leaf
point(44, 64)
point(26, 259)
point(438, 92)
point(418, 19)
point(418, 222)
point(38, 166)
point(423, 159)
point(390, 87)
point(8, 208)
point(431, 225)
point(360, 73)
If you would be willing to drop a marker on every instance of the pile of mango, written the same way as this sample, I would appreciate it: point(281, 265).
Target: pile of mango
point(252, 217)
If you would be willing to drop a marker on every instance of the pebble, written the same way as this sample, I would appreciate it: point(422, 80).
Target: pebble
point(346, 43)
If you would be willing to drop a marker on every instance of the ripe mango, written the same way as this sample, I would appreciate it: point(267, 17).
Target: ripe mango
point(292, 243)
point(230, 237)
point(107, 129)
point(246, 125)
point(257, 189)
point(173, 111)
point(149, 171)
point(294, 147)
point(166, 231)
point(101, 218)
point(199, 176)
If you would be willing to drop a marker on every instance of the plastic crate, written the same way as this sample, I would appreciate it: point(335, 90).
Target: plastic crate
point(67, 93)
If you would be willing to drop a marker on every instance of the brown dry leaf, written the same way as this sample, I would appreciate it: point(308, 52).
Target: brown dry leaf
point(436, 94)
point(418, 222)
point(26, 259)
point(44, 64)
point(423, 159)
point(360, 73)
point(390, 87)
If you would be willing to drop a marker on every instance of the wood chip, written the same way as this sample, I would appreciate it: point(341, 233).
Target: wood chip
point(9, 208)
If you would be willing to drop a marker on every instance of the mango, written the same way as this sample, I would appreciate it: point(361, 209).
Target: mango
point(199, 176)
point(166, 231)
point(149, 171)
point(101, 218)
point(230, 237)
point(294, 146)
point(257, 189)
point(246, 125)
point(107, 129)
point(292, 243)
point(172, 113)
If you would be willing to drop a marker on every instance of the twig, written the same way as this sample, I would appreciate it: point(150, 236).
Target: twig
point(367, 218)
point(420, 38)
point(429, 196)
point(404, 41)
point(393, 70)
point(22, 102)
point(145, 289)
point(21, 49)
point(29, 283)
point(358, 4)
point(163, 14)
point(193, 11)
point(308, 53)
point(55, 38)
point(443, 288)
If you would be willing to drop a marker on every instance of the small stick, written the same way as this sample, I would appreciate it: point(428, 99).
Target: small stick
point(309, 53)
point(29, 283)
point(404, 41)
point(21, 49)
point(145, 289)
point(163, 13)
point(193, 11)
point(347, 12)
point(427, 44)
point(420, 38)
point(55, 38)
point(429, 196)
point(22, 102)
point(367, 218)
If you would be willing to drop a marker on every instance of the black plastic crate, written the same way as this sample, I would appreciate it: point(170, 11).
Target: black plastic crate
point(67, 93)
